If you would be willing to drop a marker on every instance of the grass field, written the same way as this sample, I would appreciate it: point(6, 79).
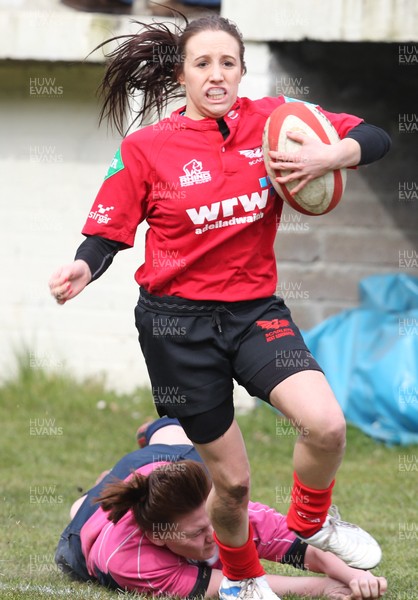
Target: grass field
point(58, 435)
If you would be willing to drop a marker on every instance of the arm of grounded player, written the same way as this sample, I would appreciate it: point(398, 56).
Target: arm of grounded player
point(362, 584)
point(313, 587)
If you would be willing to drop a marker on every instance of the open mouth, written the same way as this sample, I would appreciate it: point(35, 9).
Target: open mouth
point(216, 94)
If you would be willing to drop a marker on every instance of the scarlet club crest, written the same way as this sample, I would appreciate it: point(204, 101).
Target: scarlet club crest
point(254, 155)
point(276, 328)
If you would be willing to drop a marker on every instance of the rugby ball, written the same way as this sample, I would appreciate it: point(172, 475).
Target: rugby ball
point(322, 194)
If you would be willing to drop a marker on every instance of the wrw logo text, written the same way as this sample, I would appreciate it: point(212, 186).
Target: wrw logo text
point(226, 208)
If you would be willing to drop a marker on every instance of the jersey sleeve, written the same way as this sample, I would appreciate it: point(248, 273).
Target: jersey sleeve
point(274, 540)
point(157, 571)
point(120, 204)
point(343, 122)
point(374, 142)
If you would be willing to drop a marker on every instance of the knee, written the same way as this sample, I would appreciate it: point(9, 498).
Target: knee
point(330, 436)
point(229, 502)
point(233, 490)
point(238, 493)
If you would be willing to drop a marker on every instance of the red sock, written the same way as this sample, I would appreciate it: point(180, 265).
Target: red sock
point(242, 562)
point(308, 508)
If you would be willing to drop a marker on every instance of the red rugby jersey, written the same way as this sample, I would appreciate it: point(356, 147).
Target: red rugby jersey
point(211, 210)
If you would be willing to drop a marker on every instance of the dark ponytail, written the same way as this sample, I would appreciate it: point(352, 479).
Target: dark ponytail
point(147, 64)
point(119, 496)
point(165, 494)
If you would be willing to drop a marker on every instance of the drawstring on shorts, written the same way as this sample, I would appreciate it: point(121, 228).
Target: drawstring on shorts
point(172, 305)
point(216, 317)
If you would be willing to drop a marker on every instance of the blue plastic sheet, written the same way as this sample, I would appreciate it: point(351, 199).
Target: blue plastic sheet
point(370, 357)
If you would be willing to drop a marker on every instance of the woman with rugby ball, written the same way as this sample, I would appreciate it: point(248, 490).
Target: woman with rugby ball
point(220, 227)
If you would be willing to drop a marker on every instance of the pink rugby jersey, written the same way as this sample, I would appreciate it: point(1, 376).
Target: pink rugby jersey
point(210, 207)
point(134, 563)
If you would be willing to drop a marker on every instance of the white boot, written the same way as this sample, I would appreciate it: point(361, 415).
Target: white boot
point(255, 588)
point(353, 545)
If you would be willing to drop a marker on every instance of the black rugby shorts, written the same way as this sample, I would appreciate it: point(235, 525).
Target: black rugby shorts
point(194, 350)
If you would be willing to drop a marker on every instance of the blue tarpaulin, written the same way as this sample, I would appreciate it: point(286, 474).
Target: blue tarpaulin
point(370, 357)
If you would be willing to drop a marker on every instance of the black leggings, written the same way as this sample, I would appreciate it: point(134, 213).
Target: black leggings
point(209, 426)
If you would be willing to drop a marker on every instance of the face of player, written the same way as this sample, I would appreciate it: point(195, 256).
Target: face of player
point(212, 71)
point(191, 536)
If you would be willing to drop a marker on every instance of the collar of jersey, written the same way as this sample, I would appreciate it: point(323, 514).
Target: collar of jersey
point(207, 123)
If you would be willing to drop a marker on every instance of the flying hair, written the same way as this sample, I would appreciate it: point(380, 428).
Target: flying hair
point(145, 67)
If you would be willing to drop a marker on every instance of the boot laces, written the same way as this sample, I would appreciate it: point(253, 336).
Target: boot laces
point(335, 518)
point(250, 590)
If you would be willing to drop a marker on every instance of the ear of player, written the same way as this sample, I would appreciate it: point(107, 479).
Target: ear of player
point(322, 194)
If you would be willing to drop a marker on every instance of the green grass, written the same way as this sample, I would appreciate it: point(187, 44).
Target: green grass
point(55, 441)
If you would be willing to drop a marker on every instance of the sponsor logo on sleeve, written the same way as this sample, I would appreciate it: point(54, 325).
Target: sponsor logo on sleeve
point(116, 165)
point(100, 215)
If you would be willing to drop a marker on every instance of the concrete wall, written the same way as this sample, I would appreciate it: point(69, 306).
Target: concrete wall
point(327, 20)
point(54, 158)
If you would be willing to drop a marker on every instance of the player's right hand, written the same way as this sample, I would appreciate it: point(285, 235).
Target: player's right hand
point(68, 281)
point(367, 585)
point(364, 587)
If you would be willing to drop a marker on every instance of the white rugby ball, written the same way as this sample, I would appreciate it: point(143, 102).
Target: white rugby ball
point(322, 194)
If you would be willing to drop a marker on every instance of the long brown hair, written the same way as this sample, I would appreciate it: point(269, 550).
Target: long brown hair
point(168, 492)
point(150, 62)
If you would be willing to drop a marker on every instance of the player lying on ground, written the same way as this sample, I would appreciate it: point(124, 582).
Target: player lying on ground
point(151, 534)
